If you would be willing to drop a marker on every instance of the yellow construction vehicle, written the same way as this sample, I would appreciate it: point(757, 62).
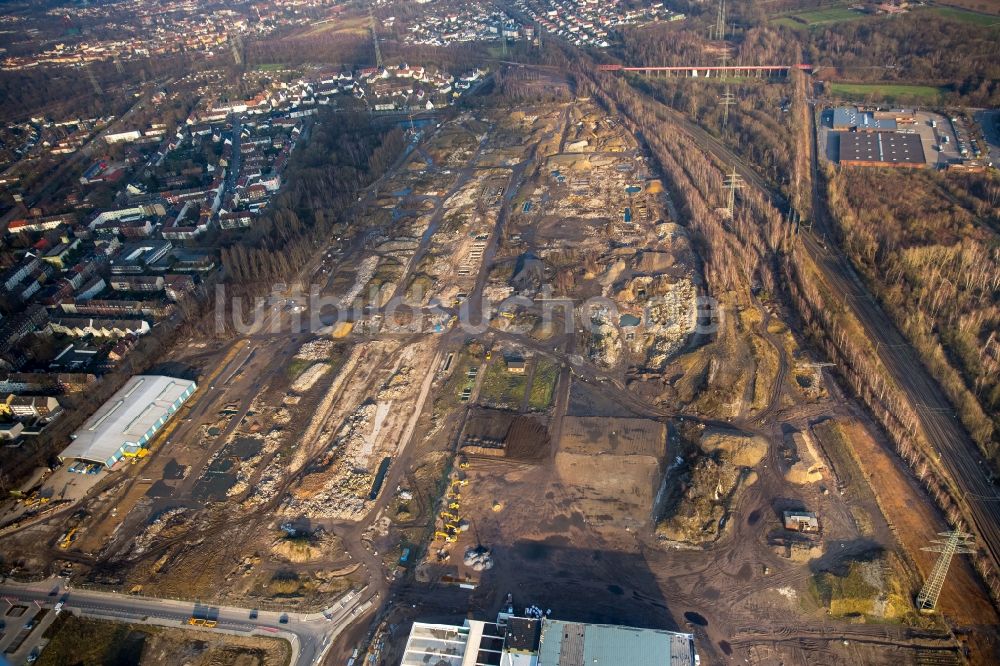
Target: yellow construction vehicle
point(454, 505)
point(448, 515)
point(68, 538)
point(444, 535)
point(211, 623)
point(196, 621)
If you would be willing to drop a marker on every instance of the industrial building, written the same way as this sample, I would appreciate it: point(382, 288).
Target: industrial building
point(521, 641)
point(846, 118)
point(125, 424)
point(880, 149)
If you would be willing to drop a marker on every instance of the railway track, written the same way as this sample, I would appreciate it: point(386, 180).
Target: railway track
point(953, 447)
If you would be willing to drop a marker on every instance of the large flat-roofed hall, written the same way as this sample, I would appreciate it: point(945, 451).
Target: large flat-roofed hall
point(128, 421)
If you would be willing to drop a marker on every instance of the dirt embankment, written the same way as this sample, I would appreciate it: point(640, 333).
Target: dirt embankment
point(713, 474)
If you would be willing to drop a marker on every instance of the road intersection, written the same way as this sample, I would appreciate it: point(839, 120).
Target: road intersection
point(310, 634)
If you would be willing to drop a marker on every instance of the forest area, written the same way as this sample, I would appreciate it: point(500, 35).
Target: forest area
point(927, 244)
point(962, 58)
point(344, 154)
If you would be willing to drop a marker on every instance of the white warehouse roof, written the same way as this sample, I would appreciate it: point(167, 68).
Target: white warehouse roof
point(129, 419)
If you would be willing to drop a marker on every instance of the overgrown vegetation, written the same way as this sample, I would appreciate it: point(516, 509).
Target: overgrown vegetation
point(543, 385)
point(927, 244)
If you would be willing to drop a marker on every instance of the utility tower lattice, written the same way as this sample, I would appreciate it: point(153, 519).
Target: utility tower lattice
point(378, 52)
point(733, 183)
point(720, 21)
point(956, 543)
point(235, 45)
point(727, 100)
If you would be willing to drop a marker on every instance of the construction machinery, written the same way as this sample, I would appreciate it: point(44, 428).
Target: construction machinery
point(68, 538)
point(448, 515)
point(444, 535)
point(454, 505)
point(196, 621)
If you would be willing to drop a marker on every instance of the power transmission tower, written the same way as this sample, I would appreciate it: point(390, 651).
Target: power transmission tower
point(727, 100)
point(93, 81)
point(956, 543)
point(378, 52)
point(236, 45)
point(733, 183)
point(720, 21)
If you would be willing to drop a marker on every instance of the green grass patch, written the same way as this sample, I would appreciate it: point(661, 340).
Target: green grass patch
point(819, 17)
point(543, 385)
point(296, 367)
point(963, 16)
point(500, 388)
point(886, 91)
point(271, 67)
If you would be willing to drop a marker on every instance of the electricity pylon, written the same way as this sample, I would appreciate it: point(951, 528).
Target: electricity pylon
point(956, 543)
point(720, 21)
point(378, 52)
point(727, 100)
point(733, 183)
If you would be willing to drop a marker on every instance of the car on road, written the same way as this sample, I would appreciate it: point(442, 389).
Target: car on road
point(253, 614)
point(283, 619)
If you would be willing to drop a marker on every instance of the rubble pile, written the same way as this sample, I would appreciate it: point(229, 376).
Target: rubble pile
point(396, 386)
point(479, 558)
point(366, 269)
point(700, 502)
point(344, 496)
point(317, 350)
point(606, 342)
point(168, 519)
point(352, 436)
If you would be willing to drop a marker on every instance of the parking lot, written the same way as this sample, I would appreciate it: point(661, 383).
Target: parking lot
point(939, 137)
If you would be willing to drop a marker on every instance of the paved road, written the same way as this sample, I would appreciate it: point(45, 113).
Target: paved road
point(310, 634)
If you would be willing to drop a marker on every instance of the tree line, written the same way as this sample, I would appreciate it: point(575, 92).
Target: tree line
point(344, 154)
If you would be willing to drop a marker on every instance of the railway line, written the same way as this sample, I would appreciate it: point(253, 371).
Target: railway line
point(952, 446)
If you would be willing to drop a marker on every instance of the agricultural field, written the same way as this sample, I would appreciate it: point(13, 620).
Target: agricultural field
point(975, 18)
point(819, 17)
